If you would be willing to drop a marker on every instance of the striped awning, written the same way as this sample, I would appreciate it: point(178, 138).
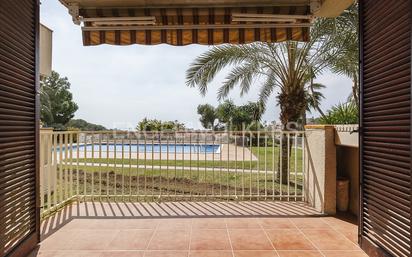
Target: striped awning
point(196, 25)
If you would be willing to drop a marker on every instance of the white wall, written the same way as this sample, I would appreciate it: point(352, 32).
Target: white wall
point(46, 47)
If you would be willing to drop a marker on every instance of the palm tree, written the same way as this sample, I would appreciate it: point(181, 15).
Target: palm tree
point(344, 57)
point(256, 109)
point(208, 116)
point(343, 113)
point(285, 68)
point(314, 98)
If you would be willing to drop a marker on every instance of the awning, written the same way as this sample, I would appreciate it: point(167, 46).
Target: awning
point(184, 22)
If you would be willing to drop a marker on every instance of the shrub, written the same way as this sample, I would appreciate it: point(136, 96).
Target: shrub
point(343, 113)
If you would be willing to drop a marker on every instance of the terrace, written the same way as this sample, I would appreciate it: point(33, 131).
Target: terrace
point(263, 193)
point(188, 194)
point(201, 229)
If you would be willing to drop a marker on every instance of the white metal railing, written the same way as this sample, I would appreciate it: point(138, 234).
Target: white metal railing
point(170, 166)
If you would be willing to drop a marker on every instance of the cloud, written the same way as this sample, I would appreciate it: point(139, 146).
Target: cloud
point(117, 86)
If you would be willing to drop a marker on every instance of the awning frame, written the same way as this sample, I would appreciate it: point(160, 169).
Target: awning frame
point(315, 5)
point(189, 27)
point(184, 22)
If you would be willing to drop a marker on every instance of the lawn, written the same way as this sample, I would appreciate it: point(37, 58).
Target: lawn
point(267, 160)
point(175, 183)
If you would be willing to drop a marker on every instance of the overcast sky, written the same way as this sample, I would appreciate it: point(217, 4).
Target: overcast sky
point(117, 86)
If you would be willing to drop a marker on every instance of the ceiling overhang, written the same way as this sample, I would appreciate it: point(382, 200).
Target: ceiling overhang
point(180, 3)
point(183, 22)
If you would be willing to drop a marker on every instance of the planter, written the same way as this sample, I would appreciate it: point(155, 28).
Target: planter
point(342, 194)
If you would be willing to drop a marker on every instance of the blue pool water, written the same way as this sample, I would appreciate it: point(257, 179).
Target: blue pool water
point(156, 148)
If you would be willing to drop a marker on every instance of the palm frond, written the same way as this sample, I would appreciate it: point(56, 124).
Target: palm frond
point(344, 113)
point(243, 75)
point(204, 69)
point(267, 88)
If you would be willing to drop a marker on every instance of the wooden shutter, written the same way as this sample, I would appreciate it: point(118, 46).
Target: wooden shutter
point(19, 212)
point(386, 123)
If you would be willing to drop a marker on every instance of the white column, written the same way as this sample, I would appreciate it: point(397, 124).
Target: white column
point(320, 168)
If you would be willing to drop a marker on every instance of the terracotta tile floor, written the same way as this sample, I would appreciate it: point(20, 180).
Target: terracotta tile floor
point(201, 236)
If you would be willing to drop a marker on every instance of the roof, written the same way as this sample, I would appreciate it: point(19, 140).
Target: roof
point(183, 22)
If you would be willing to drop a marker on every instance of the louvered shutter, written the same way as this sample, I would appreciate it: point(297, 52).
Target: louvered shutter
point(386, 123)
point(19, 215)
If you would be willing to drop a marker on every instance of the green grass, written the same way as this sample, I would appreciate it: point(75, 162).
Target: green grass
point(103, 180)
point(107, 180)
point(266, 161)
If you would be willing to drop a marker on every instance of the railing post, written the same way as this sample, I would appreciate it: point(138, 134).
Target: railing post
point(320, 168)
point(45, 167)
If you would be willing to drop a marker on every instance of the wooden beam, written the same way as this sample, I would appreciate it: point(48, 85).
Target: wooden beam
point(270, 16)
point(194, 26)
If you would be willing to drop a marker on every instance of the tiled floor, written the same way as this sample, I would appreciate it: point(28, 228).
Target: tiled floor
point(236, 236)
point(184, 209)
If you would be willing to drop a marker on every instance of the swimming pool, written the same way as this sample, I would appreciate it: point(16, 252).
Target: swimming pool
point(149, 148)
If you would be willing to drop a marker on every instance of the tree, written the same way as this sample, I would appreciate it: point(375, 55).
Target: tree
point(208, 116)
point(84, 125)
point(314, 98)
point(286, 68)
point(158, 125)
point(255, 110)
point(344, 55)
point(57, 105)
point(172, 126)
point(233, 117)
point(239, 118)
point(149, 125)
point(225, 112)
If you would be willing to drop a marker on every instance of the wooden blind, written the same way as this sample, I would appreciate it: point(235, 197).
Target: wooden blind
point(386, 123)
point(18, 44)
